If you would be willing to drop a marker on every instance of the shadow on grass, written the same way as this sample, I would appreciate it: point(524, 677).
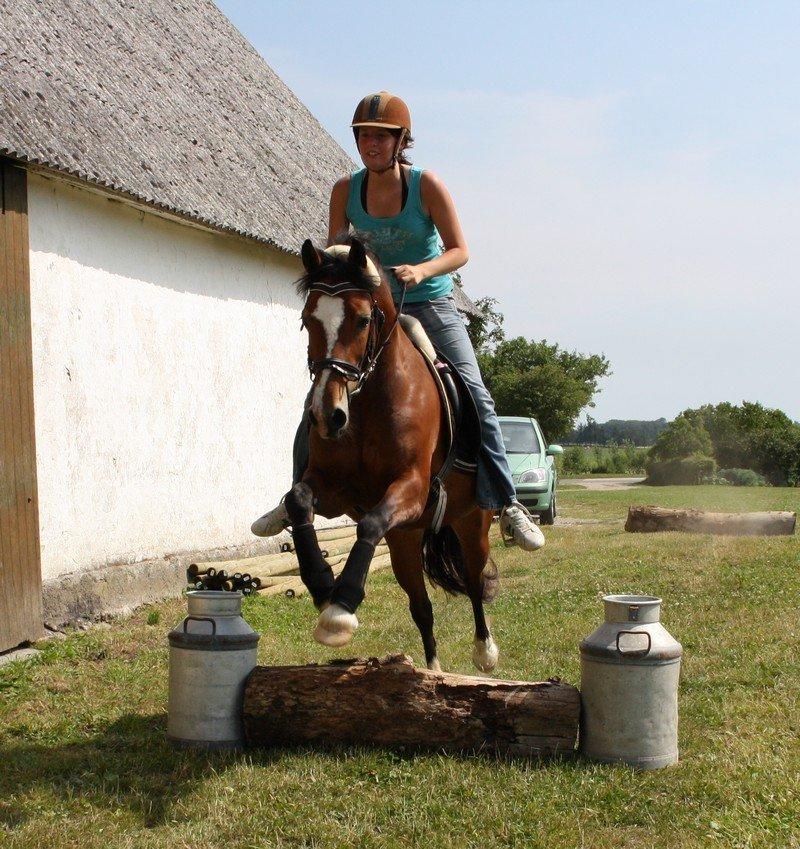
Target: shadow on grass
point(131, 764)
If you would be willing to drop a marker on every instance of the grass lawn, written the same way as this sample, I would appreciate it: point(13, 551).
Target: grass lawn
point(84, 763)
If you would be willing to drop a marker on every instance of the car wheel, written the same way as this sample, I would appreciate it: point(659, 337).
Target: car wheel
point(548, 517)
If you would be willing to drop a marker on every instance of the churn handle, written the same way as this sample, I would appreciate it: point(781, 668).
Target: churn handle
point(201, 619)
point(635, 652)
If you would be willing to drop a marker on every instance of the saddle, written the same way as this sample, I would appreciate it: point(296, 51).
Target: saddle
point(464, 427)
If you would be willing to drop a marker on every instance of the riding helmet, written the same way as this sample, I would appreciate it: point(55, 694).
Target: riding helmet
point(382, 109)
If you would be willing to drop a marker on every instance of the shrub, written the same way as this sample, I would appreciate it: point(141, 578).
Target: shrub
point(681, 470)
point(574, 461)
point(603, 460)
point(741, 477)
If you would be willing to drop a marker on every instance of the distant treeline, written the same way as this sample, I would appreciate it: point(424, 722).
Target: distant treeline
point(616, 432)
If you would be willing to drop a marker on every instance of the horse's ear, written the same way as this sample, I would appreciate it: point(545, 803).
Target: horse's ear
point(312, 258)
point(358, 255)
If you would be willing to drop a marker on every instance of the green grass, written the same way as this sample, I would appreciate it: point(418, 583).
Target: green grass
point(85, 763)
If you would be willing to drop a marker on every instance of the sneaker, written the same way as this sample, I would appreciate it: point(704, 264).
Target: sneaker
point(518, 528)
point(272, 523)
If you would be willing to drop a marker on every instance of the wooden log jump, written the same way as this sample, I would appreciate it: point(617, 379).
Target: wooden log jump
point(649, 519)
point(391, 703)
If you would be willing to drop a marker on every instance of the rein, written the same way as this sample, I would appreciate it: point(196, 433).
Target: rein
point(357, 374)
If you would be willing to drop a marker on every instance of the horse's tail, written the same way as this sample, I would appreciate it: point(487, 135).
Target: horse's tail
point(443, 560)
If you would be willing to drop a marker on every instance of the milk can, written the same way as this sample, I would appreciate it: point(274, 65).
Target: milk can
point(211, 653)
point(629, 686)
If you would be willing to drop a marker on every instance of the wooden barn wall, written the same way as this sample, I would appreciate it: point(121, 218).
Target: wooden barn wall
point(20, 571)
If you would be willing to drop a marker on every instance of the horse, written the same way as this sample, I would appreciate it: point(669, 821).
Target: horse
point(379, 434)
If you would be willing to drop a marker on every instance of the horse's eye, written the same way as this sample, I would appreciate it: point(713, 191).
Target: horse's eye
point(362, 322)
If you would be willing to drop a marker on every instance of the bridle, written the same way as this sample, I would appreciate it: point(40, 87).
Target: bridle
point(352, 373)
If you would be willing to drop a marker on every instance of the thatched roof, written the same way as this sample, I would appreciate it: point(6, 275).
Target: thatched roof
point(166, 103)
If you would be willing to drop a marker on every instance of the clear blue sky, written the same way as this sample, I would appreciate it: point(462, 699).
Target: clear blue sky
point(628, 174)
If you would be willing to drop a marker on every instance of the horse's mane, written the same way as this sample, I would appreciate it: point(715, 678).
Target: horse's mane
point(339, 269)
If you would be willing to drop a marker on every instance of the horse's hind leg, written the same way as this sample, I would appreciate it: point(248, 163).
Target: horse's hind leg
point(406, 550)
point(315, 572)
point(473, 534)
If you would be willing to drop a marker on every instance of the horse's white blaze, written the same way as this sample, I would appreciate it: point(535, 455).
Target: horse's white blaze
point(485, 654)
point(329, 312)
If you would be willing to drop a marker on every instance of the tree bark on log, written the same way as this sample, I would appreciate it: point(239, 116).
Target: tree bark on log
point(391, 703)
point(648, 519)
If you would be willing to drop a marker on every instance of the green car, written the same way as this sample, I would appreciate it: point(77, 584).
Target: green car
point(532, 466)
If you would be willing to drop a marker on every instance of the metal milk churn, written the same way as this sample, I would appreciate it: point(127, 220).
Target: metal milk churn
point(211, 653)
point(629, 686)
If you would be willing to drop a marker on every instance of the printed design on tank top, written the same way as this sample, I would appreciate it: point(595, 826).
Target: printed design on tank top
point(390, 239)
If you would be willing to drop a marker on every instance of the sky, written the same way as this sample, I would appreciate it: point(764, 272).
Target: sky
point(627, 174)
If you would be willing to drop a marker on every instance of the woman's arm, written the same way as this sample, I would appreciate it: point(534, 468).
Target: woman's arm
point(438, 203)
point(337, 211)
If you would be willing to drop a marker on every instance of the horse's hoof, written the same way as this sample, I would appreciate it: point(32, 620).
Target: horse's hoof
point(335, 626)
point(434, 665)
point(485, 654)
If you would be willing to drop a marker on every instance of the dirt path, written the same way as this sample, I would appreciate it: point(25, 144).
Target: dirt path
point(605, 484)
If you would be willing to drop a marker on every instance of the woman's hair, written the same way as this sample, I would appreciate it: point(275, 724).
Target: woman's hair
point(408, 142)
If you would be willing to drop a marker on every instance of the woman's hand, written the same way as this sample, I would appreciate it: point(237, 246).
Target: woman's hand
point(409, 275)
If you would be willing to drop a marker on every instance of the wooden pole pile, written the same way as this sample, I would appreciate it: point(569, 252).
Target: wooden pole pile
point(391, 703)
point(279, 573)
point(648, 519)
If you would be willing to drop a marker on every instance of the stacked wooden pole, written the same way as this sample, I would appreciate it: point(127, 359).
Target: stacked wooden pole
point(279, 574)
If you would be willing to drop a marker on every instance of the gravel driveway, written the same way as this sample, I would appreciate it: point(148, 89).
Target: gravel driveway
point(605, 484)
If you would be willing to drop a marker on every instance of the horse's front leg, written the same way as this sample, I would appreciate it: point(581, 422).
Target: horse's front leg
point(315, 572)
point(404, 501)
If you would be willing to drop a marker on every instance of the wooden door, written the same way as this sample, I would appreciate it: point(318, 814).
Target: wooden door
point(20, 568)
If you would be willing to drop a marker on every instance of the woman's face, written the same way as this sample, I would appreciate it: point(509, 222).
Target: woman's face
point(376, 146)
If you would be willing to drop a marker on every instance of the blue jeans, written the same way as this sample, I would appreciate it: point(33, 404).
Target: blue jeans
point(446, 330)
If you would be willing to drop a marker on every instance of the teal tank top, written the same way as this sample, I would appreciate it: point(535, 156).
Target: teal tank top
point(408, 238)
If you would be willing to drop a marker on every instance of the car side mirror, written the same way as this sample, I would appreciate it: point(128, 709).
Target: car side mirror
point(554, 450)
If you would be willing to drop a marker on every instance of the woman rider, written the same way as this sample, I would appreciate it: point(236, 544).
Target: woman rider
point(407, 213)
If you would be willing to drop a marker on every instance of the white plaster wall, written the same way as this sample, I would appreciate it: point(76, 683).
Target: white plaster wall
point(169, 375)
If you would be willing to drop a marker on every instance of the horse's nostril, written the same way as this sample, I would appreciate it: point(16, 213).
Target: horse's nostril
point(312, 418)
point(338, 420)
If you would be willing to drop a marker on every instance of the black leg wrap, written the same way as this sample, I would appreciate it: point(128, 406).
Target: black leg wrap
point(349, 589)
point(315, 572)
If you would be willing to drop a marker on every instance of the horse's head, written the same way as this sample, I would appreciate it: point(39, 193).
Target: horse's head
point(343, 287)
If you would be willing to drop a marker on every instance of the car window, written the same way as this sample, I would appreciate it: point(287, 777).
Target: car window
point(520, 438)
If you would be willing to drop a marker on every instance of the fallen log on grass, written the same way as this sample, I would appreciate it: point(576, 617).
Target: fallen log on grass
point(649, 519)
point(391, 703)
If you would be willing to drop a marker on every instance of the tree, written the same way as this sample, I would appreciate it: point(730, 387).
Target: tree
point(528, 378)
point(681, 438)
point(749, 436)
point(485, 329)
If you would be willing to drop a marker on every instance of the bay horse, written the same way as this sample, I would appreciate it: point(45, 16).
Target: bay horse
point(378, 436)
